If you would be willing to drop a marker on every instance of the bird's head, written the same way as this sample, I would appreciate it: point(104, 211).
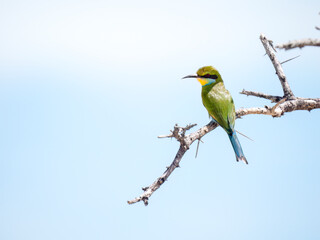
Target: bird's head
point(206, 76)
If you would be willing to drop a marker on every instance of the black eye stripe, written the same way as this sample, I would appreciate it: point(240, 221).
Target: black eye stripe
point(210, 76)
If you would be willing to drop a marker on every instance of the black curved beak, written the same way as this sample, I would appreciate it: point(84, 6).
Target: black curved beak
point(190, 76)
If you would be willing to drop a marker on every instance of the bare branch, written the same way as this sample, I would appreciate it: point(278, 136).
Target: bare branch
point(261, 95)
point(185, 143)
point(300, 43)
point(277, 110)
point(160, 180)
point(277, 65)
point(282, 107)
point(288, 103)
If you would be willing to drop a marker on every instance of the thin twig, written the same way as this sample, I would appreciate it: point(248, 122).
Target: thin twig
point(244, 135)
point(197, 148)
point(290, 59)
point(166, 136)
point(261, 95)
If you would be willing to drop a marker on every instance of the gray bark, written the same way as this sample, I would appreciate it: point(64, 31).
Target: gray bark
point(287, 103)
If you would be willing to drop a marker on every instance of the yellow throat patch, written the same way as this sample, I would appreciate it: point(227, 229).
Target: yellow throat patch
point(202, 81)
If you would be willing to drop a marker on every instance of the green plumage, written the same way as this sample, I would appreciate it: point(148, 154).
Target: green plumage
point(219, 104)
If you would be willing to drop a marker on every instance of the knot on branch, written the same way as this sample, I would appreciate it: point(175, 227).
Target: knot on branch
point(178, 132)
point(145, 200)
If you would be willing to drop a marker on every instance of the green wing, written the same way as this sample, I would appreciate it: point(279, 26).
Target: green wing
point(220, 106)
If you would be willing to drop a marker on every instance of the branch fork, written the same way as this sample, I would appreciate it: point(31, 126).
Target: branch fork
point(286, 103)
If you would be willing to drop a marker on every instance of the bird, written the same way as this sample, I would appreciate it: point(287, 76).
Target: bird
point(219, 104)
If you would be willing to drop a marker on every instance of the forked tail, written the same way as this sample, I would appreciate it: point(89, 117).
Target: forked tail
point(237, 147)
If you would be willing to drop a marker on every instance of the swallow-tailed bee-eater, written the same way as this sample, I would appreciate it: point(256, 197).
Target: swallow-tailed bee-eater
point(219, 104)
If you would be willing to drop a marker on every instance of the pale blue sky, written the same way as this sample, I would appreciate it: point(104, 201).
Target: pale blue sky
point(87, 86)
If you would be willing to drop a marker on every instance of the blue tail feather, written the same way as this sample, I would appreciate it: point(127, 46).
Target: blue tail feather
point(237, 147)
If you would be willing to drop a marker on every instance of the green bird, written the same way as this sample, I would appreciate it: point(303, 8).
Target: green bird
point(219, 104)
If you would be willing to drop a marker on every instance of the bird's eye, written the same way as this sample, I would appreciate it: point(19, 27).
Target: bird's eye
point(211, 76)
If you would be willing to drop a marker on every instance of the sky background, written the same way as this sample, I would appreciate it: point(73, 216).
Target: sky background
point(87, 86)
